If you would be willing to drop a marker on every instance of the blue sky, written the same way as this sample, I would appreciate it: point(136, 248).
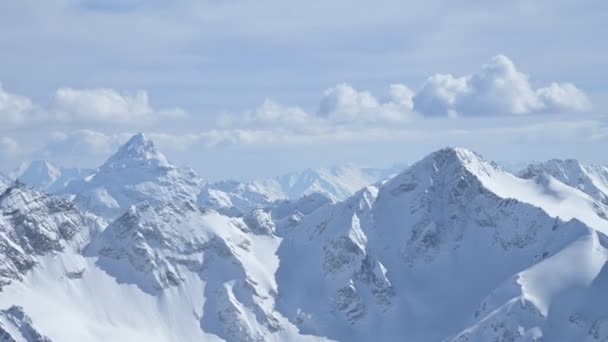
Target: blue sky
point(282, 86)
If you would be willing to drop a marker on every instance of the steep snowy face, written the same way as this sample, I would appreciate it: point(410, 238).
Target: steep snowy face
point(16, 326)
point(32, 225)
point(590, 179)
point(422, 248)
point(44, 175)
point(159, 247)
point(137, 172)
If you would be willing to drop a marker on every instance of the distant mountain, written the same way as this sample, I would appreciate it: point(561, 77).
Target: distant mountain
point(46, 176)
point(137, 172)
point(336, 183)
point(453, 248)
point(590, 179)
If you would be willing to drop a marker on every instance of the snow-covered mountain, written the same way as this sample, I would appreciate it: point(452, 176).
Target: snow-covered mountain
point(454, 248)
point(591, 179)
point(417, 256)
point(336, 183)
point(137, 172)
point(34, 224)
point(46, 176)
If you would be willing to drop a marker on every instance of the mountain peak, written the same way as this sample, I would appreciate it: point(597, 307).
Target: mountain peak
point(451, 156)
point(139, 149)
point(40, 173)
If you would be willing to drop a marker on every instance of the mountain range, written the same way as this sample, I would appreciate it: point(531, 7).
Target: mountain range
point(451, 248)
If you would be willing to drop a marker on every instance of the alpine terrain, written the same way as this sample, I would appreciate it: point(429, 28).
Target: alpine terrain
point(452, 248)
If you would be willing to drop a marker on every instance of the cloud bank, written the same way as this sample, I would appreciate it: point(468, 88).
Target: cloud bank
point(497, 89)
point(84, 106)
point(94, 122)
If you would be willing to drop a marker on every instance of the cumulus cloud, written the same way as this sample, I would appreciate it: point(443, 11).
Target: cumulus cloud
point(564, 96)
point(16, 110)
point(270, 113)
point(108, 106)
point(340, 105)
point(84, 106)
point(497, 89)
point(345, 104)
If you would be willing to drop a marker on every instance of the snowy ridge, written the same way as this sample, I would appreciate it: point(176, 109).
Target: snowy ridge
point(454, 248)
point(336, 183)
point(591, 179)
point(16, 326)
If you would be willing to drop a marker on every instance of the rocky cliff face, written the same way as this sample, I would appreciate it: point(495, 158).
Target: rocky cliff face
point(34, 224)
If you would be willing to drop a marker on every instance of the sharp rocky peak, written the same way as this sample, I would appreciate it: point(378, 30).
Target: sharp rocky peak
point(450, 161)
point(138, 150)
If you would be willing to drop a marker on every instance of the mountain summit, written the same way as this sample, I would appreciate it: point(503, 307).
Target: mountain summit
point(137, 172)
point(138, 151)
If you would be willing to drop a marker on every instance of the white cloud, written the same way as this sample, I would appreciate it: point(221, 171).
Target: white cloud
point(270, 114)
point(402, 96)
point(497, 89)
point(9, 147)
point(345, 104)
point(83, 106)
point(16, 110)
point(84, 142)
point(564, 96)
point(108, 106)
point(341, 105)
